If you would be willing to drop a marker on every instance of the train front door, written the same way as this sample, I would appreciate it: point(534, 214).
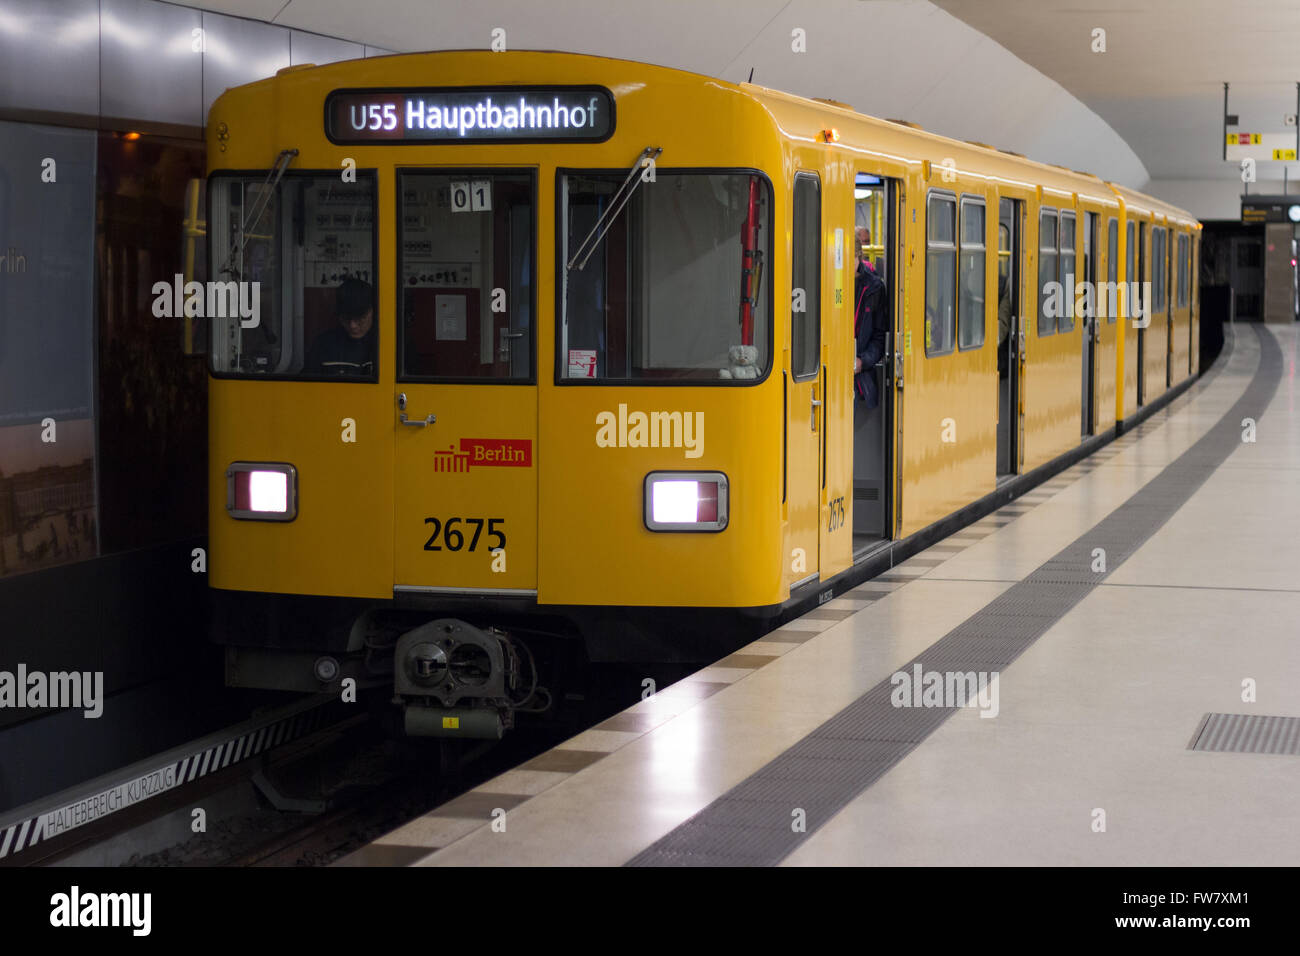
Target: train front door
point(465, 406)
point(805, 385)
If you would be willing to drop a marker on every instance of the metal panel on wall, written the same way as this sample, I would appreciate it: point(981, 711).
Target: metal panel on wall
point(313, 48)
point(49, 55)
point(238, 52)
point(47, 329)
point(151, 62)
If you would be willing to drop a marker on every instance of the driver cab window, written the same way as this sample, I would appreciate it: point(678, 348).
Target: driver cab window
point(292, 281)
point(465, 271)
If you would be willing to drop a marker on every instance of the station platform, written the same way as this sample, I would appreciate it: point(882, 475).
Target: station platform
point(1140, 711)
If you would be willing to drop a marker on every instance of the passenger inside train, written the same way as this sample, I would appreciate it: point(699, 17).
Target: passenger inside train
point(349, 347)
point(872, 321)
point(869, 318)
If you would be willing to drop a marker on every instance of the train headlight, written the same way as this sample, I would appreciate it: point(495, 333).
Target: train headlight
point(262, 491)
point(686, 501)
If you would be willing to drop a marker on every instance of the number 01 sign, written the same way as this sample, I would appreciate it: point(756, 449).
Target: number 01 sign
point(471, 195)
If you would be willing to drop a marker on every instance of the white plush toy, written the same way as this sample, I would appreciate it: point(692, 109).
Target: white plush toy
point(744, 362)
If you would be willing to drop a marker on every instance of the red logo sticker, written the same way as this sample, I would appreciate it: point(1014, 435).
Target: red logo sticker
point(485, 452)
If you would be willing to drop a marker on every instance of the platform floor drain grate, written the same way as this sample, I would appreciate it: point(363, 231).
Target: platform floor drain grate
point(1247, 734)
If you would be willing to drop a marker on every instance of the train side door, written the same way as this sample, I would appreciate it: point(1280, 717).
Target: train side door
point(805, 384)
point(874, 238)
point(1090, 332)
point(1170, 303)
point(1143, 311)
point(1011, 265)
point(465, 402)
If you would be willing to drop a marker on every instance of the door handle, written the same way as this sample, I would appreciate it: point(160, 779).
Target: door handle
point(401, 405)
point(503, 353)
point(898, 370)
point(812, 412)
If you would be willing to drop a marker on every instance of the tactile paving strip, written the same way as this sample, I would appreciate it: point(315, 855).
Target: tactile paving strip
point(1248, 734)
point(754, 824)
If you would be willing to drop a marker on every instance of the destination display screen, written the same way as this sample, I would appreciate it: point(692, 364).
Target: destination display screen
point(470, 115)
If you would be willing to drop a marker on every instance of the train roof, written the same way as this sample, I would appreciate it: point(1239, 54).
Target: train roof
point(806, 117)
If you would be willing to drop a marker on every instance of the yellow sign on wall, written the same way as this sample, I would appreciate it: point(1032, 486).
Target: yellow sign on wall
point(1260, 146)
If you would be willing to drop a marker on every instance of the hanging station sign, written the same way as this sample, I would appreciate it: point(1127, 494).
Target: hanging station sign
point(502, 114)
point(1260, 146)
point(1261, 208)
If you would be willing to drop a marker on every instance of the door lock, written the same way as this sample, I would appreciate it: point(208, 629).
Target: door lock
point(401, 405)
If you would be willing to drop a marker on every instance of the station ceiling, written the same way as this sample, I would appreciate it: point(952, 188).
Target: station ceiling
point(907, 59)
point(1159, 83)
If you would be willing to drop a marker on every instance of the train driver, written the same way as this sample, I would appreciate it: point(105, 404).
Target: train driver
point(349, 347)
point(870, 317)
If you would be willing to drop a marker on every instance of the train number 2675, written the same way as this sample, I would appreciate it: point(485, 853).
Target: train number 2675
point(836, 516)
point(454, 538)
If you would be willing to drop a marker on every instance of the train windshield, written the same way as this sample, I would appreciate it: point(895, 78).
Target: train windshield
point(292, 291)
point(674, 290)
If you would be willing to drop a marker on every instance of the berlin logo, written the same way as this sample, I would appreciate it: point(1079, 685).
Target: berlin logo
point(489, 452)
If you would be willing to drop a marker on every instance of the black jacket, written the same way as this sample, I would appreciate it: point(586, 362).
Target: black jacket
point(870, 319)
point(335, 345)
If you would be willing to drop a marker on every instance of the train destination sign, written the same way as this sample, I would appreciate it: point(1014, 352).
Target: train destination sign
point(470, 115)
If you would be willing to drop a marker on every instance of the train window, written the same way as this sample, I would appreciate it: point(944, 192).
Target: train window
point(870, 214)
point(292, 290)
point(970, 308)
point(1183, 270)
point(465, 271)
point(1132, 280)
point(1158, 262)
point(672, 288)
point(1065, 321)
point(940, 273)
point(1112, 268)
point(805, 278)
point(1004, 252)
point(1130, 255)
point(1047, 259)
point(1193, 270)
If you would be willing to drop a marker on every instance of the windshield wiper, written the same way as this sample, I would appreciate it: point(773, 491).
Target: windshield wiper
point(255, 215)
point(616, 204)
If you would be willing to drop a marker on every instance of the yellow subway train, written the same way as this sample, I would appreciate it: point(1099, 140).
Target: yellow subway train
point(558, 351)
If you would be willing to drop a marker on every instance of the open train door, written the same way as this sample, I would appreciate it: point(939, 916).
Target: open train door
point(877, 391)
point(900, 345)
point(1011, 352)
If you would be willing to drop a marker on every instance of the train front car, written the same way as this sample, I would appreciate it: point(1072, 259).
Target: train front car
point(496, 367)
